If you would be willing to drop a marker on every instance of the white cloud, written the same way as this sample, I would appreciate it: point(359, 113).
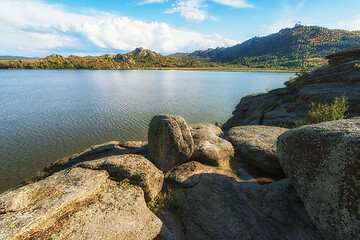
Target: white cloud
point(190, 10)
point(40, 28)
point(234, 3)
point(152, 1)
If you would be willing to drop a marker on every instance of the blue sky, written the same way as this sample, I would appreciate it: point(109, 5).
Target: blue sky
point(82, 27)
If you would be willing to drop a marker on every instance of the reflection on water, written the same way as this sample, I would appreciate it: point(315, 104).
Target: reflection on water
point(49, 114)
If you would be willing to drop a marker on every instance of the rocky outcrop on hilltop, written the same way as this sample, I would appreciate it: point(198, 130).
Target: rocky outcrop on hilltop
point(323, 163)
point(287, 105)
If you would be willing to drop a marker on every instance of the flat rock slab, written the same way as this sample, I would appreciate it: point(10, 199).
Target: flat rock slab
point(210, 148)
point(136, 168)
point(77, 203)
point(170, 141)
point(96, 152)
point(188, 174)
point(323, 163)
point(256, 145)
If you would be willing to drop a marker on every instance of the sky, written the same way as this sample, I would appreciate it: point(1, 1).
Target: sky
point(38, 28)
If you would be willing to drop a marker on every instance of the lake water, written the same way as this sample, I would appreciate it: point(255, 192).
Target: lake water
point(49, 114)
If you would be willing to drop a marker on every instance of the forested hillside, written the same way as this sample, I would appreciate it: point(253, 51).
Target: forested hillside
point(298, 47)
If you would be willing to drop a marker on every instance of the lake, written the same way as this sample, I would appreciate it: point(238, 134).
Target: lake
point(49, 114)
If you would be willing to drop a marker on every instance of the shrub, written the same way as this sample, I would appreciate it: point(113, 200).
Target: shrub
point(125, 182)
point(157, 204)
point(323, 112)
point(296, 84)
point(171, 200)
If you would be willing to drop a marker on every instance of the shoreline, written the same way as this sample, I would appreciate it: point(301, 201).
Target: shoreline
point(175, 69)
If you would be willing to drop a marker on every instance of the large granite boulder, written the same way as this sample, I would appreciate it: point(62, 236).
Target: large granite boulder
point(220, 206)
point(210, 148)
point(137, 169)
point(256, 145)
point(323, 163)
point(170, 141)
point(78, 203)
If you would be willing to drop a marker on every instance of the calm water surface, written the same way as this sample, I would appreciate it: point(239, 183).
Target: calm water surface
point(49, 114)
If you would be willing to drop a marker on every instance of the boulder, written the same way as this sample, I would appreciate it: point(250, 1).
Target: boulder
point(250, 110)
point(92, 153)
point(323, 163)
point(221, 207)
point(170, 141)
point(210, 148)
point(256, 145)
point(188, 174)
point(78, 203)
point(137, 169)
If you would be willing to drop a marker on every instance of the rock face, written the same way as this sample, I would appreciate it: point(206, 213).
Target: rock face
point(137, 169)
point(210, 148)
point(323, 163)
point(77, 203)
point(287, 105)
point(219, 206)
point(256, 145)
point(170, 141)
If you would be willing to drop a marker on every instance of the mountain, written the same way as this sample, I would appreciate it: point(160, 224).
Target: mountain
point(298, 47)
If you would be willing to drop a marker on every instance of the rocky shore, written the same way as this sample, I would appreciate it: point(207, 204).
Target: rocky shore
point(249, 180)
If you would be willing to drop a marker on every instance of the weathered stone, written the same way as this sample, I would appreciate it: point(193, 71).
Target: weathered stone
point(328, 92)
point(250, 110)
point(210, 148)
point(77, 203)
point(256, 145)
point(170, 141)
point(286, 113)
point(188, 174)
point(347, 55)
point(92, 153)
point(139, 170)
point(220, 207)
point(323, 162)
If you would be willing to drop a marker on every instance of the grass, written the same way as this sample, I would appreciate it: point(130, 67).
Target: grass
point(171, 200)
point(125, 182)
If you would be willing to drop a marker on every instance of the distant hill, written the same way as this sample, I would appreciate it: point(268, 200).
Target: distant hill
point(138, 59)
point(298, 47)
point(15, 57)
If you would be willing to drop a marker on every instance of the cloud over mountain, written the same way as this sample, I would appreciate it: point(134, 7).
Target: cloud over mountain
point(35, 26)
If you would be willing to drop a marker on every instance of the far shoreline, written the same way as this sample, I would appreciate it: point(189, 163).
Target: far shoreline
point(176, 69)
